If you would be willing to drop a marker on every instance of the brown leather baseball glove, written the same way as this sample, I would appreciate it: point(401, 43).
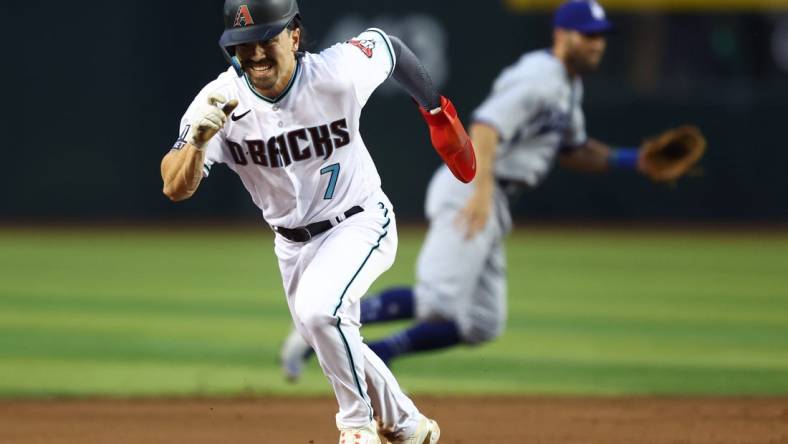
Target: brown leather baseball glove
point(670, 155)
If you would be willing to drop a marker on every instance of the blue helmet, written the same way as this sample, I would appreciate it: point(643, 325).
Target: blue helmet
point(586, 16)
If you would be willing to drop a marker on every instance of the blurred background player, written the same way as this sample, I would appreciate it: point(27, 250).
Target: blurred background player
point(532, 118)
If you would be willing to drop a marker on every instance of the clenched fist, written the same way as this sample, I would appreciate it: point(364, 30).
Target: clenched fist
point(210, 119)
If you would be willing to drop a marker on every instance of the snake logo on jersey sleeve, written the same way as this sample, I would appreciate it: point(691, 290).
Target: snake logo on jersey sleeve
point(366, 46)
point(294, 146)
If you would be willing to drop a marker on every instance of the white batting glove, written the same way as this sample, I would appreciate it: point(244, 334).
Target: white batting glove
point(210, 119)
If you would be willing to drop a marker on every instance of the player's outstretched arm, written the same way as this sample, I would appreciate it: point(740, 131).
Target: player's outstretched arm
point(664, 158)
point(448, 136)
point(181, 170)
point(474, 216)
point(592, 157)
point(413, 77)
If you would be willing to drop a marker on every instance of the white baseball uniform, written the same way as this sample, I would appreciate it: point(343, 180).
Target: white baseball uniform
point(302, 159)
point(536, 108)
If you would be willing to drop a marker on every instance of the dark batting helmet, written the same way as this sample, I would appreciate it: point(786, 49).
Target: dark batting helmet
point(248, 21)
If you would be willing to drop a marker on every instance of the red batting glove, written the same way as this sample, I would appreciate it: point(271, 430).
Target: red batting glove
point(451, 141)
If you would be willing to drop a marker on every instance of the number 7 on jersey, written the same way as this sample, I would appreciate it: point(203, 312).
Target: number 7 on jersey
point(332, 181)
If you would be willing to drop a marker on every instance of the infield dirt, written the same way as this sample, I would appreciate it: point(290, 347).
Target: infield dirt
point(466, 420)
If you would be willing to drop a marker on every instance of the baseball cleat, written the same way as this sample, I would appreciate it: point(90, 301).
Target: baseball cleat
point(428, 432)
point(363, 435)
point(293, 356)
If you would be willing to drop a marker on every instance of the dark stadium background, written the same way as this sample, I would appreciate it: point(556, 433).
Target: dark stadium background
point(95, 93)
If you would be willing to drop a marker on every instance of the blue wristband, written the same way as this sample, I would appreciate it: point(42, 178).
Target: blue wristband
point(623, 158)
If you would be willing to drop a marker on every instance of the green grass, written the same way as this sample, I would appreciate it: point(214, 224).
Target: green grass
point(145, 313)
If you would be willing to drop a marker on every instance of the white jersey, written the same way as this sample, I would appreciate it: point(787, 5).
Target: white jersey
point(537, 109)
point(300, 155)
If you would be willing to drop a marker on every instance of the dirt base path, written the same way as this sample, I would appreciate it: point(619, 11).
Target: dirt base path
point(463, 420)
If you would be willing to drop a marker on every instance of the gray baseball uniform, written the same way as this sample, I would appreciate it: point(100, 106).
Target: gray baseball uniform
point(536, 109)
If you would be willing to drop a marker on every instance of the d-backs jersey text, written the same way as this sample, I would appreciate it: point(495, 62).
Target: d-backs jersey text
point(300, 155)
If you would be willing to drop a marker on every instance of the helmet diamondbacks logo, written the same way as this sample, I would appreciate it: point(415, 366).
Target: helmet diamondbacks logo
point(243, 17)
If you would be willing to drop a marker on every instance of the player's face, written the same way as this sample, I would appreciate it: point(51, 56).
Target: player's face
point(585, 51)
point(269, 65)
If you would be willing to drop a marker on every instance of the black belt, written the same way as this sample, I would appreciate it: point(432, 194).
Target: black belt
point(303, 234)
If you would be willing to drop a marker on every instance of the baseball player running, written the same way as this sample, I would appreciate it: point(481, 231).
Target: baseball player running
point(287, 122)
point(532, 118)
